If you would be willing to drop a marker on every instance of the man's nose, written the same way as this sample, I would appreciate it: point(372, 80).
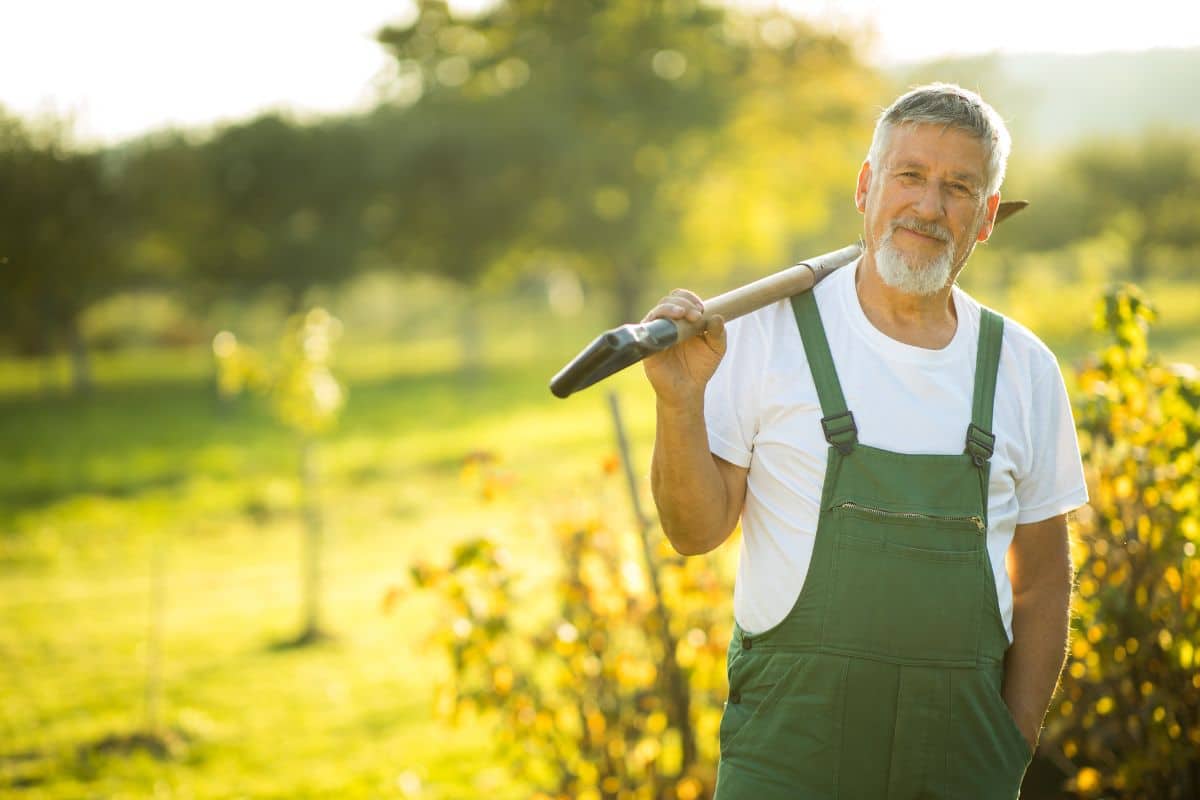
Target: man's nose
point(928, 204)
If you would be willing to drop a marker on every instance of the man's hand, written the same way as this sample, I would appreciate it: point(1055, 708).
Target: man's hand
point(680, 373)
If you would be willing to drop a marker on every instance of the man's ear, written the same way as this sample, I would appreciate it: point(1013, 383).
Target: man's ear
point(864, 183)
point(989, 218)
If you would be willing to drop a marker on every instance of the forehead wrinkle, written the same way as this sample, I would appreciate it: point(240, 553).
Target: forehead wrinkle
point(890, 157)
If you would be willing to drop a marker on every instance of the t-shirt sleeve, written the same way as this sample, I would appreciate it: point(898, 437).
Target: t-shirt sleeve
point(1055, 483)
point(731, 397)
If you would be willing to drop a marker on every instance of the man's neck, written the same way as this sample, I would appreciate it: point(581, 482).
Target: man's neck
point(927, 321)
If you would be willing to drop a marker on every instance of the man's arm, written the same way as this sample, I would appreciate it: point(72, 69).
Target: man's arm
point(1039, 565)
point(699, 496)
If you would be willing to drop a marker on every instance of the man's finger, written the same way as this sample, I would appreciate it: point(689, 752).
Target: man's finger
point(675, 307)
point(714, 334)
point(689, 295)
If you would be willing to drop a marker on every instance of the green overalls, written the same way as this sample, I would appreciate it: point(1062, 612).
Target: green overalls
point(883, 681)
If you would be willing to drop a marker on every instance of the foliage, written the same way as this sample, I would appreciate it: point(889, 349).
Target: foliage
point(1140, 198)
point(1128, 715)
point(777, 183)
point(603, 118)
point(58, 236)
point(580, 696)
point(264, 203)
point(307, 398)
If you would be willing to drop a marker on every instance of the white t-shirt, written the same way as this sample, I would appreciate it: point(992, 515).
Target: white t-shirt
point(762, 412)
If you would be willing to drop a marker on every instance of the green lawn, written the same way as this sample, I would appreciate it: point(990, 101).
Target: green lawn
point(93, 490)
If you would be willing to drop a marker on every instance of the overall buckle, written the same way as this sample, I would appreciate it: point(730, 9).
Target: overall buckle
point(980, 444)
point(840, 431)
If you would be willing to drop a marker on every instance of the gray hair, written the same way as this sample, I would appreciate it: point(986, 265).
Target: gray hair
point(952, 106)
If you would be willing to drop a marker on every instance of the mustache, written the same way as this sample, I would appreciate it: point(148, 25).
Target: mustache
point(926, 228)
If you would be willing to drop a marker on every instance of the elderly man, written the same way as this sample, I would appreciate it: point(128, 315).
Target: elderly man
point(902, 460)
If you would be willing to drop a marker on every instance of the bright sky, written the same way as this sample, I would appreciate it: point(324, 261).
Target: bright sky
point(123, 67)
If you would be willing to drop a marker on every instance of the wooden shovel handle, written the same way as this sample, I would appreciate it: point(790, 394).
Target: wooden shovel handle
point(764, 291)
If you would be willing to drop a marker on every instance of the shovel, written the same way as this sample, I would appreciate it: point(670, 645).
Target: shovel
point(621, 347)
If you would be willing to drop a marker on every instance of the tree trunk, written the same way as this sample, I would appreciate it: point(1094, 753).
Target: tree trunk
point(81, 366)
point(471, 335)
point(49, 372)
point(313, 542)
point(627, 288)
point(44, 346)
point(155, 634)
point(1139, 268)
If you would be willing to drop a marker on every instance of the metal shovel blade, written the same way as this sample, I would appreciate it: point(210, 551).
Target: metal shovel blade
point(611, 352)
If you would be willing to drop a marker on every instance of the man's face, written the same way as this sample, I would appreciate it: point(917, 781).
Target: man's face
point(925, 205)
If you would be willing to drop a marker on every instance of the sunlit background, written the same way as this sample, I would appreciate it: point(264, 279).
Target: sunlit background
point(286, 508)
point(128, 67)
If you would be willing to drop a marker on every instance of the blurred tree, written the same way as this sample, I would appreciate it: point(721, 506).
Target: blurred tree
point(619, 105)
point(448, 194)
point(627, 139)
point(1148, 191)
point(174, 211)
point(307, 398)
point(263, 204)
point(59, 240)
point(779, 185)
point(1143, 193)
point(289, 198)
point(624, 138)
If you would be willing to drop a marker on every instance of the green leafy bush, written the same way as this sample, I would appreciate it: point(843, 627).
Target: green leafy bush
point(1127, 717)
point(593, 699)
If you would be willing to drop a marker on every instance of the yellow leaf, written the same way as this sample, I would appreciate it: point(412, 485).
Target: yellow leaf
point(1187, 653)
point(502, 679)
point(1173, 578)
point(1087, 781)
point(656, 722)
point(688, 789)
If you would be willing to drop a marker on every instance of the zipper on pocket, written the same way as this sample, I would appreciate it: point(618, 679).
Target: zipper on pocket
point(880, 512)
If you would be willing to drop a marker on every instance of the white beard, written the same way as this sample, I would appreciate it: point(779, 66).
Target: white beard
point(895, 271)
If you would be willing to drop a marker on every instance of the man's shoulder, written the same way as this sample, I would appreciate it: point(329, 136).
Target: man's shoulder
point(1021, 343)
point(1029, 349)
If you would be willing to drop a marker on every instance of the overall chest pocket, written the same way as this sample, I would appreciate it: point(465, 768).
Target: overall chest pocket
point(906, 587)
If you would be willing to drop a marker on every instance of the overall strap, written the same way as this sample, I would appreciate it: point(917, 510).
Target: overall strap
point(838, 422)
point(980, 440)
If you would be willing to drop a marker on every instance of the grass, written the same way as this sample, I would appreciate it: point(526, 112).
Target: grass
point(93, 490)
